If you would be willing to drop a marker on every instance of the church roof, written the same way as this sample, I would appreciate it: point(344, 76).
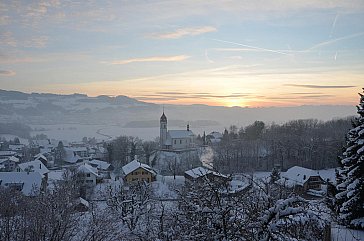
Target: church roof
point(163, 117)
point(180, 134)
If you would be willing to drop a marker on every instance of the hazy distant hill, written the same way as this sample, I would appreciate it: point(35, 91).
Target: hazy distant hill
point(38, 108)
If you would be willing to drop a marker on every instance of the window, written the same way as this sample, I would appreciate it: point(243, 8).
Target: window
point(175, 142)
point(180, 141)
point(88, 175)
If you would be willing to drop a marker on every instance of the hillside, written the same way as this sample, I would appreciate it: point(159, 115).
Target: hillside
point(41, 109)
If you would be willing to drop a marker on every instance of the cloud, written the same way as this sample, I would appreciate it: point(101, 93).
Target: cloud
point(7, 72)
point(4, 20)
point(321, 86)
point(182, 32)
point(184, 95)
point(308, 97)
point(36, 42)
point(175, 58)
point(7, 39)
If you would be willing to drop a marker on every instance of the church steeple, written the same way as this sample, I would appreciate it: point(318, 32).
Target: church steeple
point(163, 130)
point(163, 117)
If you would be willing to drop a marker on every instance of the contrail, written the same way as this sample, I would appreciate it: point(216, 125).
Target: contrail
point(333, 25)
point(207, 57)
point(252, 47)
point(335, 40)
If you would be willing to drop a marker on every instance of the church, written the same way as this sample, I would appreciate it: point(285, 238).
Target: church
point(175, 139)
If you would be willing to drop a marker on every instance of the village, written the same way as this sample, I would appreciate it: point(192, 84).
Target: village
point(39, 171)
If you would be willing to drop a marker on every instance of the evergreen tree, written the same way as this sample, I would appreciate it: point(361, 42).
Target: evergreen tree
point(350, 197)
point(275, 175)
point(60, 153)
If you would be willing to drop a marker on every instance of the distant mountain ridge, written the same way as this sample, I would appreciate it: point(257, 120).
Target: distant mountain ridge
point(45, 108)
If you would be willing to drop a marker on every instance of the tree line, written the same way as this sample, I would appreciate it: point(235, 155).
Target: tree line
point(308, 143)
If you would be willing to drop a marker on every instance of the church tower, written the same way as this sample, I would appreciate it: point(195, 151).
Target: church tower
point(163, 130)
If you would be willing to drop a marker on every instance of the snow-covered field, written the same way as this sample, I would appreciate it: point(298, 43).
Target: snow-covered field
point(75, 132)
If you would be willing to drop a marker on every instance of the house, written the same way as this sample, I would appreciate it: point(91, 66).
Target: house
point(42, 158)
point(7, 153)
point(35, 166)
point(175, 139)
point(200, 174)
point(103, 167)
point(81, 151)
point(81, 205)
point(138, 172)
point(302, 179)
point(45, 145)
point(76, 154)
point(18, 148)
point(87, 175)
point(213, 138)
point(29, 183)
point(71, 157)
point(8, 164)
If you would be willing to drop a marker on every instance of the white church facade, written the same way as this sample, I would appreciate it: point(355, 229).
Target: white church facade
point(175, 139)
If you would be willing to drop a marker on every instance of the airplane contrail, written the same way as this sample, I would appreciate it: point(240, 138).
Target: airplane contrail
point(335, 40)
point(252, 47)
point(333, 25)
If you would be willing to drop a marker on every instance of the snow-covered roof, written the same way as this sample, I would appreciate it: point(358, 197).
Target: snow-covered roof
point(214, 141)
point(177, 134)
point(80, 148)
point(7, 153)
point(201, 171)
point(299, 175)
point(71, 157)
point(40, 156)
point(82, 201)
point(16, 147)
point(86, 168)
point(132, 166)
point(31, 181)
point(34, 166)
point(55, 175)
point(102, 150)
point(100, 164)
point(13, 158)
point(215, 135)
point(42, 142)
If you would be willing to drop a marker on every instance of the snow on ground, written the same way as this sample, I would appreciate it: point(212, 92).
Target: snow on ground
point(166, 186)
point(340, 233)
point(102, 190)
point(75, 132)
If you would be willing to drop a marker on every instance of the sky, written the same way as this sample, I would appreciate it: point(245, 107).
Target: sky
point(227, 53)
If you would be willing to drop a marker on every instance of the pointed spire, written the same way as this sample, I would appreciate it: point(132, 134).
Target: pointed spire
point(163, 117)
